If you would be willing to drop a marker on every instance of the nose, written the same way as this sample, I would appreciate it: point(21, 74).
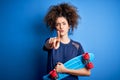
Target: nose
point(61, 26)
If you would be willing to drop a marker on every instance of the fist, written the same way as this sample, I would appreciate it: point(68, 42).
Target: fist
point(60, 67)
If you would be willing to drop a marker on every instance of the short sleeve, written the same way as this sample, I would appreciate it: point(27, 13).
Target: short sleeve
point(44, 48)
point(80, 50)
point(78, 46)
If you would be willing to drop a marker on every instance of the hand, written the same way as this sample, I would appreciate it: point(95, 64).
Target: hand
point(54, 42)
point(60, 67)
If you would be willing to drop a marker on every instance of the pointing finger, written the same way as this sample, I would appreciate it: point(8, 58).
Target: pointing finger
point(58, 35)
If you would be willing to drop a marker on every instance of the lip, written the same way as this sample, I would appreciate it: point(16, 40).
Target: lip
point(61, 30)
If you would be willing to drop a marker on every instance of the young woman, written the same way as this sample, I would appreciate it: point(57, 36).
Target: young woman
point(62, 18)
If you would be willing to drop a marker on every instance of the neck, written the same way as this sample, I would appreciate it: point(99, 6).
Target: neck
point(65, 39)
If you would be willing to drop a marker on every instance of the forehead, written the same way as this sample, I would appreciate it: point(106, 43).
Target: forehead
point(61, 19)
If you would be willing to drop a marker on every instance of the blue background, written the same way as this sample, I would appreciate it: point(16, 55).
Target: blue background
point(22, 34)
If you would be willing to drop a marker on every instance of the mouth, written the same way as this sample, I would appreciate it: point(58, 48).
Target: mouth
point(61, 30)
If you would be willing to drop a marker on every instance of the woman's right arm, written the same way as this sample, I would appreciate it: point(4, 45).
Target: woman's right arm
point(48, 45)
point(52, 43)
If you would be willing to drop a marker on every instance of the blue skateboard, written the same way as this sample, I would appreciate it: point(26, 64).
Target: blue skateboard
point(75, 63)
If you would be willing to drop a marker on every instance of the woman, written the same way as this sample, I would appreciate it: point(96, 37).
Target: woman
point(62, 18)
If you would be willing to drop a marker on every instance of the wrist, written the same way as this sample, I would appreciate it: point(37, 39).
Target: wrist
point(66, 70)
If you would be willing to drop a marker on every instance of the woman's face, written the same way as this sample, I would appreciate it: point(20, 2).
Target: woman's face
point(62, 26)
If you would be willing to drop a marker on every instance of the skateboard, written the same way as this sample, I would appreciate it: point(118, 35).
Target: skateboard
point(81, 61)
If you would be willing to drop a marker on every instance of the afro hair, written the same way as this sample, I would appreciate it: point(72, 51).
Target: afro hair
point(62, 10)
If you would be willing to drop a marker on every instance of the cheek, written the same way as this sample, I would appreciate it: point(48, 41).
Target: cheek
point(67, 28)
point(57, 28)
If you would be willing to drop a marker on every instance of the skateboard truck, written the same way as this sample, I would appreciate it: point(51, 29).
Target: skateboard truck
point(86, 61)
point(53, 74)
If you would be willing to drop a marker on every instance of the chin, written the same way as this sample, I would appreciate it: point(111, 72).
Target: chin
point(62, 34)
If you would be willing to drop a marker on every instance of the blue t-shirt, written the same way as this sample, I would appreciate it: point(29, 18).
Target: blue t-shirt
point(64, 53)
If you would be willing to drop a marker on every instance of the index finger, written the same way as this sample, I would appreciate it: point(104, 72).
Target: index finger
point(58, 34)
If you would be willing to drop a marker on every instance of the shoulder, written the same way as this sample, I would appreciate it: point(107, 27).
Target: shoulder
point(78, 46)
point(75, 44)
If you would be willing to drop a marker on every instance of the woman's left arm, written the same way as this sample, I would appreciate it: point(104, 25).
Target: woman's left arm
point(80, 72)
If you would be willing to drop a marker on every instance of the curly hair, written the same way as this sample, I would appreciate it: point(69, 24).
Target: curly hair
point(62, 10)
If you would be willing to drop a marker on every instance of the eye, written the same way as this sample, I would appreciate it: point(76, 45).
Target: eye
point(64, 23)
point(57, 24)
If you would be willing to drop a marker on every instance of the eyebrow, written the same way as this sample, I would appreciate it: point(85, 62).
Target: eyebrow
point(62, 22)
